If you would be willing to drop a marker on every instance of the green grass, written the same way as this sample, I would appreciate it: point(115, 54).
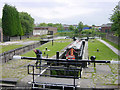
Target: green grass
point(111, 43)
point(104, 53)
point(9, 47)
point(14, 46)
point(34, 38)
point(58, 46)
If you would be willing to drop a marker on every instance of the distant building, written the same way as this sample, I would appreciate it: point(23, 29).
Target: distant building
point(66, 27)
point(106, 27)
point(1, 35)
point(97, 27)
point(44, 30)
point(87, 28)
point(52, 30)
point(75, 26)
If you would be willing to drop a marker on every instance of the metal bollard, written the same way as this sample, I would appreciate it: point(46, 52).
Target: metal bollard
point(93, 59)
point(57, 57)
point(46, 48)
point(52, 42)
point(47, 56)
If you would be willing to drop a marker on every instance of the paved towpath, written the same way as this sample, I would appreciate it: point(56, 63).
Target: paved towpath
point(111, 47)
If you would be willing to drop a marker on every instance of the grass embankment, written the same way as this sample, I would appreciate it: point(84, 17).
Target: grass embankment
point(113, 44)
point(104, 53)
point(9, 47)
point(58, 45)
point(4, 48)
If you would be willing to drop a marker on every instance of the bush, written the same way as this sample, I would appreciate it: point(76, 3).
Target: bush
point(70, 34)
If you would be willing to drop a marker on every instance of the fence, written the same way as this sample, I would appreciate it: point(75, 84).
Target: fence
point(7, 38)
point(111, 38)
point(6, 56)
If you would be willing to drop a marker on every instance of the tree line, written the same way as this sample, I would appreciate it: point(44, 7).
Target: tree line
point(115, 19)
point(60, 27)
point(16, 23)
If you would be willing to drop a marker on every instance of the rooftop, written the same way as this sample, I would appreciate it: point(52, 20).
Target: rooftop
point(106, 25)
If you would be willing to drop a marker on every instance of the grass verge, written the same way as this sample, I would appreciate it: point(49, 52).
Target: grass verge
point(111, 43)
point(9, 47)
point(104, 53)
point(58, 45)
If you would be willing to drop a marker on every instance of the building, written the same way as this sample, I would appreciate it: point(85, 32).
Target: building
point(97, 27)
point(1, 35)
point(75, 26)
point(44, 30)
point(52, 30)
point(106, 28)
point(66, 27)
point(87, 28)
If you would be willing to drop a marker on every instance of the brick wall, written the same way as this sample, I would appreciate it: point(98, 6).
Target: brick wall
point(105, 29)
point(54, 29)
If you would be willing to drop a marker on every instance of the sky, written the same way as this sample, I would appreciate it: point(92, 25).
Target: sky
point(90, 12)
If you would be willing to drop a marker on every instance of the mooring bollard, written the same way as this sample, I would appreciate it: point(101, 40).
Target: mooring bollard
point(52, 42)
point(44, 53)
point(57, 57)
point(97, 50)
point(46, 48)
point(93, 59)
point(47, 56)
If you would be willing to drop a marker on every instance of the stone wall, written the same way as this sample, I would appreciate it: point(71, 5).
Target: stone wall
point(6, 56)
point(7, 38)
point(112, 38)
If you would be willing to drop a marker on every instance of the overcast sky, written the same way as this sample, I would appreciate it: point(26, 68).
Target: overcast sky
point(65, 11)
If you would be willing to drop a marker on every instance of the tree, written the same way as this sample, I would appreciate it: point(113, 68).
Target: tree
point(115, 18)
point(76, 32)
point(59, 26)
point(80, 26)
point(27, 22)
point(93, 25)
point(50, 24)
point(85, 26)
point(10, 21)
point(71, 27)
point(42, 25)
point(0, 22)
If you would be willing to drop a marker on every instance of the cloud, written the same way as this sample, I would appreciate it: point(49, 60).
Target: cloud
point(59, 9)
point(64, 11)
